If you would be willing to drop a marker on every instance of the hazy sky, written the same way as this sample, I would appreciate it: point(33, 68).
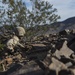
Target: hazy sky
point(66, 8)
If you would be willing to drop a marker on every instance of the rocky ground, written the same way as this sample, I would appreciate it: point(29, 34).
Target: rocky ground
point(45, 55)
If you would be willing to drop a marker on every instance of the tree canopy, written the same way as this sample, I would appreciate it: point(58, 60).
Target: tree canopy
point(18, 14)
point(42, 13)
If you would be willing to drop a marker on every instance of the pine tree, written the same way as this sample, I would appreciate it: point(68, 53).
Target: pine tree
point(17, 13)
point(43, 13)
point(2, 17)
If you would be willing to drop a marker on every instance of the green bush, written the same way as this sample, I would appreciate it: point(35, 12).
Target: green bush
point(1, 46)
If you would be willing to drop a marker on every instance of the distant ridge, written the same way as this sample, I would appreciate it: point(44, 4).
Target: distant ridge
point(62, 25)
point(69, 20)
point(56, 27)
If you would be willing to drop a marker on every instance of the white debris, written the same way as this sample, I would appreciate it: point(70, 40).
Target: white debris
point(12, 42)
point(20, 31)
point(65, 50)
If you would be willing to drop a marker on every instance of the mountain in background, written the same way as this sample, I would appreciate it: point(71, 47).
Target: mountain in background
point(59, 26)
point(53, 28)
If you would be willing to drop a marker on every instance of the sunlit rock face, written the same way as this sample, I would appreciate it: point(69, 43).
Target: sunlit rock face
point(20, 31)
point(12, 42)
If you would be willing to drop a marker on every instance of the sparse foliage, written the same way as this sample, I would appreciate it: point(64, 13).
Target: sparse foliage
point(17, 13)
point(43, 13)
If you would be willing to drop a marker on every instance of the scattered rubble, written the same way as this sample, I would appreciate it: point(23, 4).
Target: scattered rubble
point(53, 54)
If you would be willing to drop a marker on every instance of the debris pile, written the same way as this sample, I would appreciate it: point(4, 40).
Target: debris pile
point(53, 54)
